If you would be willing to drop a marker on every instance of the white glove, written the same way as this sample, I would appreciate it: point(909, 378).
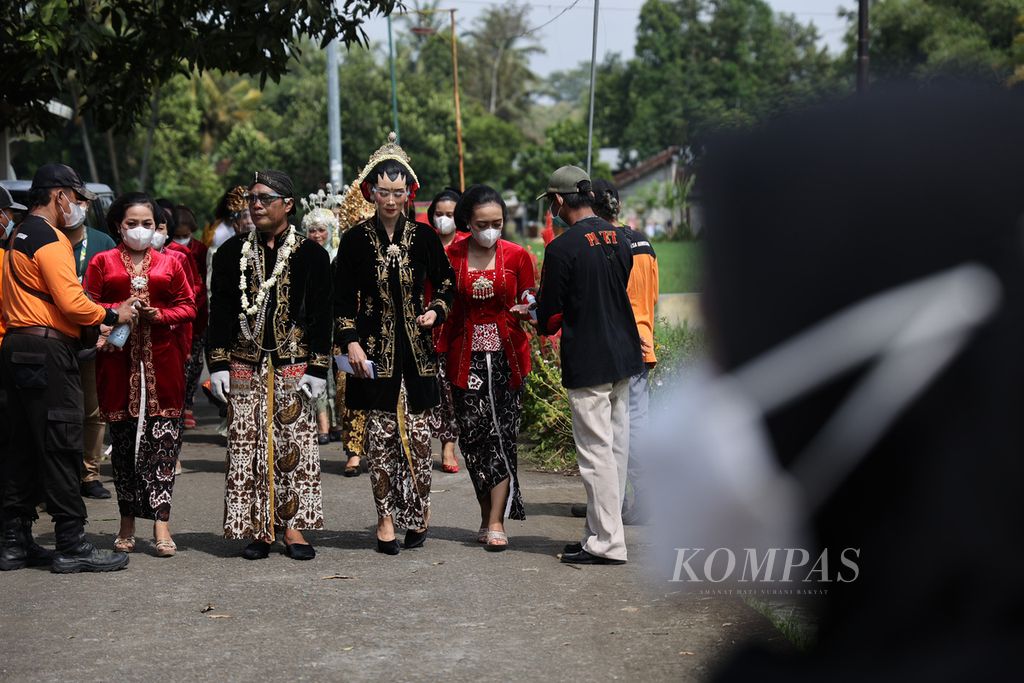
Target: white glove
point(312, 386)
point(220, 385)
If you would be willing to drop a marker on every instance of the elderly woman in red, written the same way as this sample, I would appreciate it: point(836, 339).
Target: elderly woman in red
point(489, 356)
point(141, 386)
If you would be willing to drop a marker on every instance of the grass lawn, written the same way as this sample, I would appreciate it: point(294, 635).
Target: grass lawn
point(678, 264)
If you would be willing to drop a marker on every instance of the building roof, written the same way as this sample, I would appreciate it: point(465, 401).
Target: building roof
point(645, 167)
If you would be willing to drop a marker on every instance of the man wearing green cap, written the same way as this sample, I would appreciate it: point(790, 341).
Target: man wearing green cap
point(583, 293)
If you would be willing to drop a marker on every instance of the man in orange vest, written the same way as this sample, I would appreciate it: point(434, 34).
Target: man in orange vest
point(45, 307)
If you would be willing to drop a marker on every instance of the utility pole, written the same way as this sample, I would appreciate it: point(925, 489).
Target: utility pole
point(863, 44)
point(593, 80)
point(334, 117)
point(458, 109)
point(394, 84)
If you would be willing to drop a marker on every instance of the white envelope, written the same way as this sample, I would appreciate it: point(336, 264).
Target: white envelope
point(345, 366)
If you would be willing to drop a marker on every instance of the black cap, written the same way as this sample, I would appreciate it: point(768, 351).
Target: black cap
point(60, 175)
point(7, 202)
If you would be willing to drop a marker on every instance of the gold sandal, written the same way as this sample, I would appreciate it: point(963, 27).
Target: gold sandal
point(124, 545)
point(165, 547)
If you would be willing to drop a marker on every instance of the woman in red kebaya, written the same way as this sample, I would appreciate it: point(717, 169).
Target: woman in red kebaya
point(488, 356)
point(141, 386)
point(182, 226)
point(441, 216)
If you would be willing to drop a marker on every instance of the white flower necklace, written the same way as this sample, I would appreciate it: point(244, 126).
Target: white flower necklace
point(258, 308)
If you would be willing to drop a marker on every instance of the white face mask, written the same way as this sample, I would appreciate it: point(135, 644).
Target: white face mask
point(74, 217)
point(487, 237)
point(444, 224)
point(159, 240)
point(182, 240)
point(714, 481)
point(138, 239)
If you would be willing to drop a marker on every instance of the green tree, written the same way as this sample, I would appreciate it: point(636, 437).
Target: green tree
point(566, 143)
point(491, 146)
point(922, 38)
point(701, 62)
point(108, 56)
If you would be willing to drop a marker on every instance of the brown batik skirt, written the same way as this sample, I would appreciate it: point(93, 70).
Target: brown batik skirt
point(270, 421)
point(400, 461)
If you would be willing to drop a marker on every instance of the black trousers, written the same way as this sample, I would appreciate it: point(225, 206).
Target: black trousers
point(43, 459)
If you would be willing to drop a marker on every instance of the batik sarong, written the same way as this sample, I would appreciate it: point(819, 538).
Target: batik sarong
point(193, 369)
point(273, 469)
point(144, 479)
point(400, 461)
point(443, 425)
point(489, 415)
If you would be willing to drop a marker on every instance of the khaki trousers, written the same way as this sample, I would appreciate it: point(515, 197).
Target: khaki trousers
point(600, 427)
point(94, 426)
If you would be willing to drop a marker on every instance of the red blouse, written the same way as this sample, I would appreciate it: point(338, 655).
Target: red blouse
point(440, 337)
point(197, 279)
point(155, 345)
point(192, 275)
point(513, 274)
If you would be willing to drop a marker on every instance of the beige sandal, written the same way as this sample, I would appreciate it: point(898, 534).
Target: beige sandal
point(496, 541)
point(165, 547)
point(124, 545)
point(481, 536)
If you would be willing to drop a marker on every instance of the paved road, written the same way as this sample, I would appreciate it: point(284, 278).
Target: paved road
point(449, 609)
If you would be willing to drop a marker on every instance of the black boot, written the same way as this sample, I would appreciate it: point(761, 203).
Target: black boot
point(38, 556)
point(12, 545)
point(75, 554)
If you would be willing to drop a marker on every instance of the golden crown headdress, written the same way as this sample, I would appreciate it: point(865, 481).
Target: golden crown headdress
point(353, 207)
point(238, 200)
point(389, 150)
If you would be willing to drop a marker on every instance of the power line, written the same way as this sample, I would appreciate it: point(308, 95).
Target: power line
point(549, 21)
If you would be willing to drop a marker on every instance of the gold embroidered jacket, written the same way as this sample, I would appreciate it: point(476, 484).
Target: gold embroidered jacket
point(380, 288)
point(298, 331)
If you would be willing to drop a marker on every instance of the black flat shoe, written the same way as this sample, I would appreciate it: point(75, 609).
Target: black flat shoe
point(323, 439)
point(388, 547)
point(353, 470)
point(257, 550)
point(94, 489)
point(583, 557)
point(299, 551)
point(415, 539)
point(578, 510)
point(572, 548)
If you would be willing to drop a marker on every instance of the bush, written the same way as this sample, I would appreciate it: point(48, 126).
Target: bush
point(546, 434)
point(547, 420)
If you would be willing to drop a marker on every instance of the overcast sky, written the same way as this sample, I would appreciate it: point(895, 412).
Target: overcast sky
point(567, 38)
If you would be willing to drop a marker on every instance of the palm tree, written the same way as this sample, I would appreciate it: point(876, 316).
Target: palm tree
point(501, 44)
point(225, 101)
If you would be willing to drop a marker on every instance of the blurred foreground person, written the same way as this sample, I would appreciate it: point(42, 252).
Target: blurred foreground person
point(867, 385)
